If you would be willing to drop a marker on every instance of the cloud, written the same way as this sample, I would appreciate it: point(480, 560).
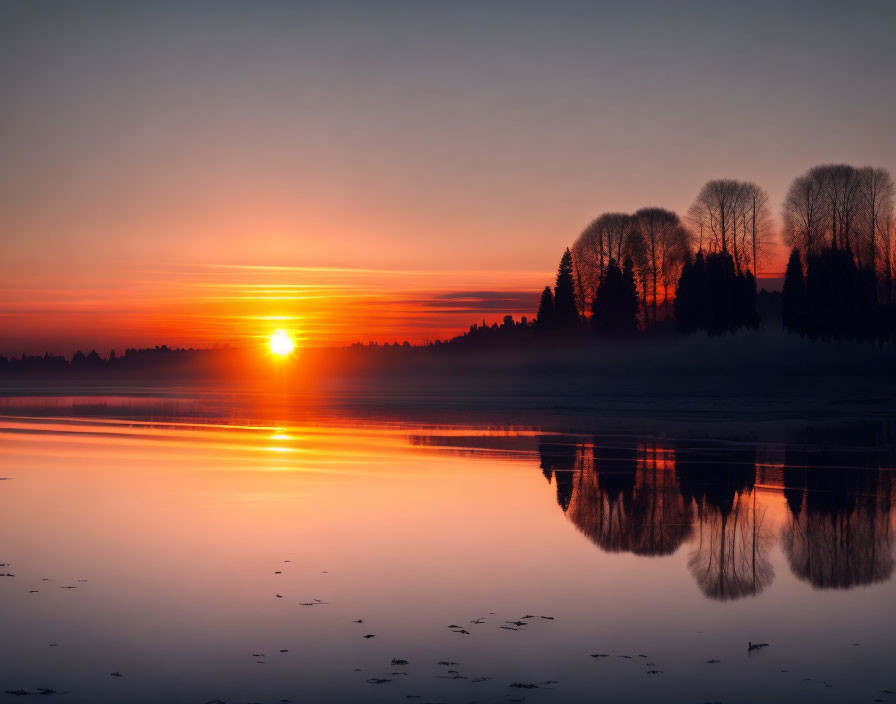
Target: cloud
point(480, 301)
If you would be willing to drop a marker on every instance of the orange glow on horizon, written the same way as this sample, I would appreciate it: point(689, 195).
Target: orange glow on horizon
point(221, 305)
point(214, 306)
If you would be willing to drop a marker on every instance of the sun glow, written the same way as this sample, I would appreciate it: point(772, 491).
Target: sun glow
point(281, 343)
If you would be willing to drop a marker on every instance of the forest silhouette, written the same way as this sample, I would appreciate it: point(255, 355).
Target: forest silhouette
point(656, 270)
point(630, 277)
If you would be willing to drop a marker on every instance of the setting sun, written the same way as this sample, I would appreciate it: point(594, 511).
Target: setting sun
point(281, 343)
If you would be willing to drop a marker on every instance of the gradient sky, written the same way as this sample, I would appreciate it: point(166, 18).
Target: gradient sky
point(438, 156)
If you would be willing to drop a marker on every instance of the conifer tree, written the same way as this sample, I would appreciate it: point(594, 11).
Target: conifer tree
point(566, 314)
point(629, 302)
point(793, 305)
point(544, 320)
point(615, 306)
point(687, 295)
point(712, 295)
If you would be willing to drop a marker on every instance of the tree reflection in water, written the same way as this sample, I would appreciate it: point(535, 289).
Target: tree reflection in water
point(622, 496)
point(839, 533)
point(730, 559)
point(559, 461)
point(626, 499)
point(648, 497)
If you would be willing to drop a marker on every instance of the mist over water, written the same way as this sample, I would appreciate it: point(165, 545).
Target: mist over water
point(151, 536)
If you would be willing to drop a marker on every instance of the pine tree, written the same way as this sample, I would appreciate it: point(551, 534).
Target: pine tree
point(686, 298)
point(744, 313)
point(566, 314)
point(793, 305)
point(840, 298)
point(701, 292)
point(544, 321)
point(628, 305)
point(721, 281)
point(615, 306)
point(712, 295)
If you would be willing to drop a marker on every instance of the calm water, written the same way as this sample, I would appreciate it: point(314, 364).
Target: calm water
point(178, 528)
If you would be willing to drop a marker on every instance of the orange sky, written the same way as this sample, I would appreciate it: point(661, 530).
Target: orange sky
point(207, 306)
point(416, 152)
point(214, 305)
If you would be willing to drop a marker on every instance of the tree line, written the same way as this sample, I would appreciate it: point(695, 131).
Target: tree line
point(133, 361)
point(655, 269)
point(839, 222)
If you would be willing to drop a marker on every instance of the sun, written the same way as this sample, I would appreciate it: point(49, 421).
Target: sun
point(281, 343)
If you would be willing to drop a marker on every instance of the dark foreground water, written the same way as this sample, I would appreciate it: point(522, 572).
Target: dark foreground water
point(214, 555)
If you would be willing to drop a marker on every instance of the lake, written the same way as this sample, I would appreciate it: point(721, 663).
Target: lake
point(206, 548)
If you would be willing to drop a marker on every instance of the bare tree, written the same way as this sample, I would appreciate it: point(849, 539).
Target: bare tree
point(838, 206)
point(841, 187)
point(588, 262)
point(732, 217)
point(888, 256)
point(876, 193)
point(675, 253)
point(604, 239)
point(636, 251)
point(667, 247)
point(715, 212)
point(758, 223)
point(804, 215)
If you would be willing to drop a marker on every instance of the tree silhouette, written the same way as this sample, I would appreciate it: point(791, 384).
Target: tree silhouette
point(713, 296)
point(566, 314)
point(544, 321)
point(758, 229)
point(628, 298)
point(731, 296)
point(667, 248)
point(691, 297)
point(732, 217)
point(839, 531)
point(793, 311)
point(840, 220)
point(840, 299)
point(875, 220)
point(837, 206)
point(720, 288)
point(609, 236)
point(715, 213)
point(745, 314)
point(615, 306)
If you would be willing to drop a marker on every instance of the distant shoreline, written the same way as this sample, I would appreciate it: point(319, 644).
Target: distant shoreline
point(749, 375)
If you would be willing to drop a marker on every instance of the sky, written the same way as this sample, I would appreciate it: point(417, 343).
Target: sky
point(197, 173)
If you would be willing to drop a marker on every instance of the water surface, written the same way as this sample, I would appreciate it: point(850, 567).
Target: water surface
point(151, 538)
